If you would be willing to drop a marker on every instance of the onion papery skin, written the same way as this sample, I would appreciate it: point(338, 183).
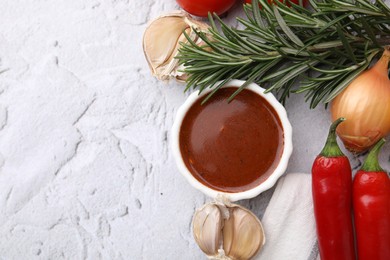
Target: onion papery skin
point(365, 104)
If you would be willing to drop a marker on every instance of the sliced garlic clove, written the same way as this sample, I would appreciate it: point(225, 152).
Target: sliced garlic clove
point(243, 234)
point(207, 226)
point(162, 40)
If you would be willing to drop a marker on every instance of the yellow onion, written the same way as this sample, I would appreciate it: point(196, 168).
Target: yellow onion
point(365, 103)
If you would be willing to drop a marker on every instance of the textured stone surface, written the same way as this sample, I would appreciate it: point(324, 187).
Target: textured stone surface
point(85, 167)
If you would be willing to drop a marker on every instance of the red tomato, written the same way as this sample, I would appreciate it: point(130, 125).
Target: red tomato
point(270, 1)
point(202, 7)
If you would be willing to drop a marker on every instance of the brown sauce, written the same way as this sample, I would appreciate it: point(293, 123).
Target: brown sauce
point(234, 146)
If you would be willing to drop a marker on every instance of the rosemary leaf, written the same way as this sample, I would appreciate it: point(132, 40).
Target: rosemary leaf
point(286, 29)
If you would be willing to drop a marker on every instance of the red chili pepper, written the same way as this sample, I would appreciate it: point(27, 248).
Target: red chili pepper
point(332, 198)
point(371, 202)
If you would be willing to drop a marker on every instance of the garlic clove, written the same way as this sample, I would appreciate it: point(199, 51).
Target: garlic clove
point(207, 226)
point(243, 234)
point(162, 40)
point(160, 49)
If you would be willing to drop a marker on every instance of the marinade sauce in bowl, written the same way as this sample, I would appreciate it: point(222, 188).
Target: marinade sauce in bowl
point(238, 148)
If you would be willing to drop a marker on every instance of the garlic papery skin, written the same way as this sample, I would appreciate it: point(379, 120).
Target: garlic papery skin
point(237, 235)
point(161, 42)
point(365, 104)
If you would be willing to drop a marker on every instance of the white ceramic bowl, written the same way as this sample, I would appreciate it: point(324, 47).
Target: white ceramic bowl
point(247, 194)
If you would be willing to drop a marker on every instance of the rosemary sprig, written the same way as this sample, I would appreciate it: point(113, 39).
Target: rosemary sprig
point(317, 51)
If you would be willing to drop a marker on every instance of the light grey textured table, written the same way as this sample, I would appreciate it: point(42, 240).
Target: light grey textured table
point(85, 166)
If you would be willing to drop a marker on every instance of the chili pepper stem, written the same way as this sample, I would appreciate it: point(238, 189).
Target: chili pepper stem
point(371, 163)
point(331, 148)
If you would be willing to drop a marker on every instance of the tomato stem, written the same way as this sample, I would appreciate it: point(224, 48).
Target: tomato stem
point(371, 164)
point(331, 148)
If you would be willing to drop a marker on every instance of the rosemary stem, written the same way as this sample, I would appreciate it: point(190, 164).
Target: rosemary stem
point(323, 48)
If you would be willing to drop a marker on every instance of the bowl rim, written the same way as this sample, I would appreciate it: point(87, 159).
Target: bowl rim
point(255, 191)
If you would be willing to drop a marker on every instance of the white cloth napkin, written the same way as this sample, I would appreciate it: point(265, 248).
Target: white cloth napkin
point(289, 222)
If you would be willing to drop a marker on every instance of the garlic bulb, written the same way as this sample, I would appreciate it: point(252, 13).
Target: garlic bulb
point(161, 43)
point(227, 232)
point(365, 104)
